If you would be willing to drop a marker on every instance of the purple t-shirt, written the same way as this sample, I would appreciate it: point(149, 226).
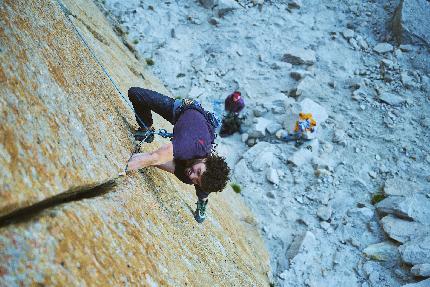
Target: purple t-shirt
point(193, 136)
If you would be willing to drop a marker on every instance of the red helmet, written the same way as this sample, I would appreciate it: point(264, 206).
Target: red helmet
point(236, 95)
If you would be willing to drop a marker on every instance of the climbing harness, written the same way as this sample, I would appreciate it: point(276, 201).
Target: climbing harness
point(186, 104)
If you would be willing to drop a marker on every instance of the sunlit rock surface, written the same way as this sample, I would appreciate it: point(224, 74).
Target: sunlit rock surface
point(65, 127)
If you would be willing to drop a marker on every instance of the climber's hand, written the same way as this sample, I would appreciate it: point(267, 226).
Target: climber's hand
point(135, 162)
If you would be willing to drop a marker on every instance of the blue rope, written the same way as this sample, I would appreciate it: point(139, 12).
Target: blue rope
point(67, 13)
point(161, 132)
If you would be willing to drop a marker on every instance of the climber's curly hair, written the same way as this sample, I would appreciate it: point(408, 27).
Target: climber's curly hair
point(217, 174)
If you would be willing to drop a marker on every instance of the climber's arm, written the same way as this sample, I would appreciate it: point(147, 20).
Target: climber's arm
point(157, 158)
point(168, 166)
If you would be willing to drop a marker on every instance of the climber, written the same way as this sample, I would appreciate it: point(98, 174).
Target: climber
point(190, 156)
point(231, 122)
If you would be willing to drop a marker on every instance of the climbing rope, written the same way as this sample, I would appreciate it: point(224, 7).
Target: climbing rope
point(67, 13)
point(160, 132)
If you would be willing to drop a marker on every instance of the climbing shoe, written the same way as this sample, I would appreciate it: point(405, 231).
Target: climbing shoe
point(143, 134)
point(200, 213)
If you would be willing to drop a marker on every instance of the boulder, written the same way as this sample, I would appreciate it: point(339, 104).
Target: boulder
point(299, 56)
point(272, 176)
point(225, 6)
point(397, 186)
point(382, 48)
point(259, 111)
point(319, 113)
point(281, 134)
point(278, 110)
point(260, 156)
point(422, 270)
point(391, 99)
point(348, 33)
point(407, 48)
point(416, 251)
point(363, 214)
point(257, 2)
point(388, 64)
point(379, 276)
point(241, 172)
point(244, 137)
point(304, 87)
point(300, 157)
point(353, 43)
point(272, 128)
point(301, 244)
point(324, 212)
point(384, 251)
point(424, 283)
point(402, 230)
point(415, 207)
point(295, 4)
point(411, 22)
point(407, 80)
point(298, 74)
point(258, 130)
point(354, 83)
point(209, 4)
point(251, 142)
point(362, 42)
point(360, 94)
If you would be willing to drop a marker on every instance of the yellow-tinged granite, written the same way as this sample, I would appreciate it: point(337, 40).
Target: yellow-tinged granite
point(140, 233)
point(64, 127)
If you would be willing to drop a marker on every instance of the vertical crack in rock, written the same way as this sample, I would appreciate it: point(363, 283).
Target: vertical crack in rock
point(74, 194)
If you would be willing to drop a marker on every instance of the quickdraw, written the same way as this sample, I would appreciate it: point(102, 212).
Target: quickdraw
point(161, 132)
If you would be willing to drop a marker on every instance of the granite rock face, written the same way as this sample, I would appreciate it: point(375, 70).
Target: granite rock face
point(137, 234)
point(65, 129)
point(62, 120)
